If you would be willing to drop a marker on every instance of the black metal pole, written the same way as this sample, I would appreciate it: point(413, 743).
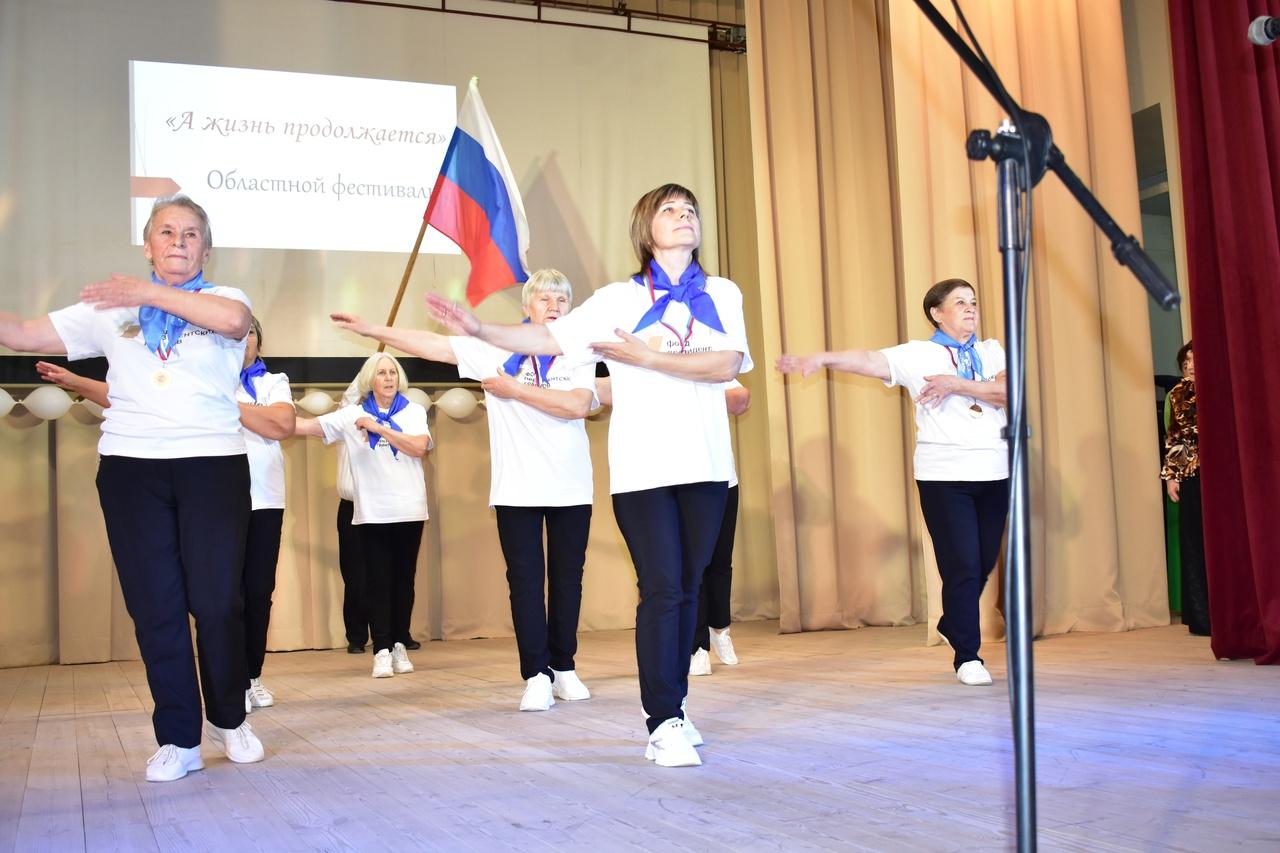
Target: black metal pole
point(1018, 624)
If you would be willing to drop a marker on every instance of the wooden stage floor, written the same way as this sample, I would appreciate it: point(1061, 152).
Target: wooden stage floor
point(852, 740)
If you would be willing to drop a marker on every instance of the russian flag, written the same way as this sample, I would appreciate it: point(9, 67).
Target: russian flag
point(476, 203)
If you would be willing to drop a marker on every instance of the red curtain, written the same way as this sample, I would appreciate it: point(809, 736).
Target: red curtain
point(1228, 99)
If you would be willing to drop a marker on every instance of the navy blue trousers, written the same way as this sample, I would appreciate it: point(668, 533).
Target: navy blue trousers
point(966, 522)
point(355, 608)
point(670, 532)
point(717, 580)
point(546, 628)
point(391, 565)
point(261, 553)
point(177, 531)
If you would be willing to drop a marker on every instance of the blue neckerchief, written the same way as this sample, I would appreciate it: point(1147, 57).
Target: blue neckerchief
point(968, 362)
point(249, 374)
point(542, 363)
point(371, 406)
point(691, 291)
point(162, 329)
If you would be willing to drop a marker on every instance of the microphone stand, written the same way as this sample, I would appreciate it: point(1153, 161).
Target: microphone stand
point(1023, 151)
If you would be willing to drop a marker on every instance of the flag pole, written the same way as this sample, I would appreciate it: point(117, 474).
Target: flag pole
point(404, 281)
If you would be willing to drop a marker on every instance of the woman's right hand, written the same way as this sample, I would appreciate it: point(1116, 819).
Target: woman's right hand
point(1172, 487)
point(351, 323)
point(452, 316)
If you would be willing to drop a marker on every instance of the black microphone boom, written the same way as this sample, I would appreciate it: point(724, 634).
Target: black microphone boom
point(1264, 30)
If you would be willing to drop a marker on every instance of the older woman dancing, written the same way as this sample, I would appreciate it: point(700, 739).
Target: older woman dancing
point(961, 459)
point(672, 336)
point(541, 477)
point(267, 416)
point(173, 477)
point(386, 437)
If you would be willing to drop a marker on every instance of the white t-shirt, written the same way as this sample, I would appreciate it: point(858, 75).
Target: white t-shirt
point(185, 406)
point(952, 441)
point(388, 487)
point(536, 459)
point(266, 459)
point(664, 431)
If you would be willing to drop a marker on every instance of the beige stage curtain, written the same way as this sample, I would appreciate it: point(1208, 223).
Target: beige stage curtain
point(864, 198)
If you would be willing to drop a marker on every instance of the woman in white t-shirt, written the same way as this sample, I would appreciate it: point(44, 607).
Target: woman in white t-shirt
point(173, 478)
point(540, 478)
point(672, 337)
point(267, 416)
point(961, 461)
point(386, 437)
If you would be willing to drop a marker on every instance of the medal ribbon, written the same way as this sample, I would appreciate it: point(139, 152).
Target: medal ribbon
point(691, 292)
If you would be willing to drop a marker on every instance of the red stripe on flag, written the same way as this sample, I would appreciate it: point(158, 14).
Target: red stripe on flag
point(457, 216)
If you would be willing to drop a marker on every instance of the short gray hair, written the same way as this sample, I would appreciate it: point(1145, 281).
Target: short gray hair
point(183, 201)
point(544, 280)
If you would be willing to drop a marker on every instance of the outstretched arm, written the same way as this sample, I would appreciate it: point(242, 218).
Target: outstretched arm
point(428, 345)
point(308, 427)
point(525, 338)
point(90, 389)
point(36, 335)
point(220, 315)
point(863, 362)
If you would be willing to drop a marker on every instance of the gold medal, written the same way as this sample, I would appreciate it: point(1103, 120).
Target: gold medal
point(975, 411)
point(161, 379)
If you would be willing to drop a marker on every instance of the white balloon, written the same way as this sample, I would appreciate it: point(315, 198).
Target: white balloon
point(417, 395)
point(457, 403)
point(6, 403)
point(92, 408)
point(316, 402)
point(48, 403)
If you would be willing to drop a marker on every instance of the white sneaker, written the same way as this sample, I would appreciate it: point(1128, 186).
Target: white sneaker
point(240, 744)
point(973, 673)
point(568, 686)
point(382, 664)
point(723, 647)
point(259, 696)
point(691, 732)
point(700, 663)
point(669, 746)
point(248, 706)
point(173, 762)
point(400, 659)
point(537, 694)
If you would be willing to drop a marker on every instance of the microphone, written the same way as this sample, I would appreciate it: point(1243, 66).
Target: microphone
point(1264, 30)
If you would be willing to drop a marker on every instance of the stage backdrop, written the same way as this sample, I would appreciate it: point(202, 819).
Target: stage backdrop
point(864, 199)
point(589, 120)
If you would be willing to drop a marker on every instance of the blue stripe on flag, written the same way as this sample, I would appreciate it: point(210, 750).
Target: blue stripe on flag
point(475, 175)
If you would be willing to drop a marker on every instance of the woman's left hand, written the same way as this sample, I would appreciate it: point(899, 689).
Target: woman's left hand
point(119, 291)
point(938, 388)
point(367, 425)
point(629, 350)
point(502, 386)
